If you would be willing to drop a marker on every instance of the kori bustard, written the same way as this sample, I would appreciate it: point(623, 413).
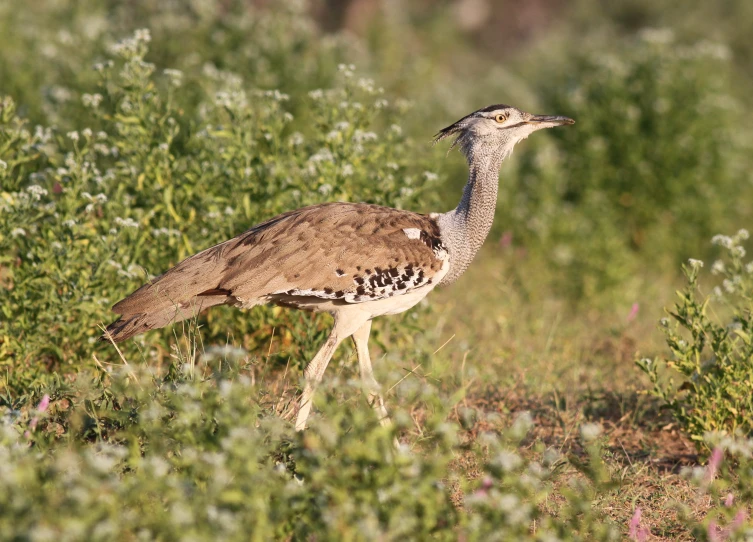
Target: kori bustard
point(354, 260)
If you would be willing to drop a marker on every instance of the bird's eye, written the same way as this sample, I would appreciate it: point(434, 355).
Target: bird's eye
point(500, 117)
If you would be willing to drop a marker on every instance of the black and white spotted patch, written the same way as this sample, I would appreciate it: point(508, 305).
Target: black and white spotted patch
point(371, 284)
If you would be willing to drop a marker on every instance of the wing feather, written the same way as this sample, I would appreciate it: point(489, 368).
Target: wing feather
point(352, 252)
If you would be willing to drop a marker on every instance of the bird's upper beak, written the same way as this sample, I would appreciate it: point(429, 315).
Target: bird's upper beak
point(549, 120)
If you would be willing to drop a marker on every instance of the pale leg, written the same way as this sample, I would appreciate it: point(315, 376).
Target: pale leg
point(343, 328)
point(361, 340)
point(313, 374)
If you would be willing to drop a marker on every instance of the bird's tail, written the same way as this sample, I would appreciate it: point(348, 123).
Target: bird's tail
point(136, 323)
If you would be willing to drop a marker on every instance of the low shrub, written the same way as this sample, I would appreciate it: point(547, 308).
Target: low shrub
point(199, 452)
point(710, 335)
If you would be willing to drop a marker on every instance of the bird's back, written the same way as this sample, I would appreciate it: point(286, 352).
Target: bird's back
point(336, 252)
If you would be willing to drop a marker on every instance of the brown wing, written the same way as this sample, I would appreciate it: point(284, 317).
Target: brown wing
point(353, 252)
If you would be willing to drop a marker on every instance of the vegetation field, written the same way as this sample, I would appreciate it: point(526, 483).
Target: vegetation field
point(590, 378)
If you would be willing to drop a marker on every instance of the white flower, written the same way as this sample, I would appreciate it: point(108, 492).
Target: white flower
point(18, 232)
point(590, 431)
point(324, 155)
point(346, 69)
point(749, 267)
point(229, 211)
point(360, 136)
point(718, 267)
point(396, 129)
point(347, 170)
point(276, 95)
point(695, 264)
point(507, 461)
point(743, 234)
point(86, 132)
point(429, 176)
point(296, 138)
point(342, 125)
point(317, 94)
point(381, 103)
point(737, 250)
point(722, 240)
point(69, 223)
point(36, 191)
point(325, 189)
point(126, 222)
point(3, 164)
point(73, 136)
point(142, 34)
point(101, 135)
point(175, 76)
point(366, 84)
point(91, 100)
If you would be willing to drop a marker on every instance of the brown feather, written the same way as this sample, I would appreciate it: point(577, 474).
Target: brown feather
point(328, 251)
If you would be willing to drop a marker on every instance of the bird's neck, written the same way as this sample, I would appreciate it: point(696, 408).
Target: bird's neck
point(465, 228)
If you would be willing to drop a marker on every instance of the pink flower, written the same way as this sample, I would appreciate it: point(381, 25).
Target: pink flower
point(729, 500)
point(714, 532)
point(41, 407)
point(633, 312)
point(506, 240)
point(738, 521)
point(635, 531)
point(486, 485)
point(714, 461)
point(720, 534)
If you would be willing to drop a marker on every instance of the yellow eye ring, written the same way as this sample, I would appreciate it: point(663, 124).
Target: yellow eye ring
point(500, 117)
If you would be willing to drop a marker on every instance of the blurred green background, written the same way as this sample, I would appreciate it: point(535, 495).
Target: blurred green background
point(134, 133)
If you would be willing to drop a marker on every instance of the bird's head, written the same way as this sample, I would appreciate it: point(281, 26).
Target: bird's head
point(495, 130)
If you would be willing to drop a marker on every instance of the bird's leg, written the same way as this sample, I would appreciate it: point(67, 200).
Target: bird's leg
point(313, 374)
point(345, 326)
point(361, 340)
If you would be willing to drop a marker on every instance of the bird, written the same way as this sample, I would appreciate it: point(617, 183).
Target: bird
point(356, 261)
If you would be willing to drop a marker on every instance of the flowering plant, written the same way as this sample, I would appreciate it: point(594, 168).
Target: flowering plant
point(708, 382)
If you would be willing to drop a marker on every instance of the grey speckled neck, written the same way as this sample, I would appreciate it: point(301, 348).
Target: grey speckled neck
point(464, 229)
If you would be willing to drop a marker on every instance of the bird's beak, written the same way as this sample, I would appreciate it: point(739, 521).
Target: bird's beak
point(549, 120)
